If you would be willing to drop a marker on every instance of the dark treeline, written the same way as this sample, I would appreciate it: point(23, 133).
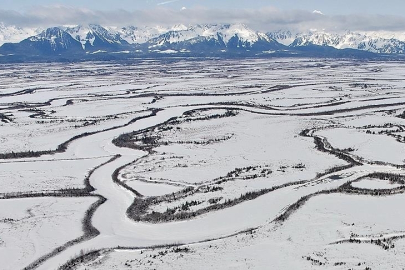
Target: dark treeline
point(348, 189)
point(150, 138)
point(67, 192)
point(81, 259)
point(63, 146)
point(138, 210)
point(323, 145)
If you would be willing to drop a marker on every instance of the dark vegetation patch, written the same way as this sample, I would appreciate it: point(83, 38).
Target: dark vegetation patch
point(150, 138)
point(63, 147)
point(348, 189)
point(138, 211)
point(81, 259)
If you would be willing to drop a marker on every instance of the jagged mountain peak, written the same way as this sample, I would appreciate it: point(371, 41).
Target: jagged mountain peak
point(93, 35)
point(221, 33)
point(53, 40)
point(52, 34)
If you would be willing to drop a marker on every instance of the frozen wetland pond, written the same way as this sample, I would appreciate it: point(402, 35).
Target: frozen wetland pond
point(203, 164)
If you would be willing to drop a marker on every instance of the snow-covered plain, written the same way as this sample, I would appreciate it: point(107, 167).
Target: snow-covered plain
point(227, 164)
point(41, 175)
point(31, 228)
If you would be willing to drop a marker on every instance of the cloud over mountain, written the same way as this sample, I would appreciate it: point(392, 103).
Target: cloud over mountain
point(264, 19)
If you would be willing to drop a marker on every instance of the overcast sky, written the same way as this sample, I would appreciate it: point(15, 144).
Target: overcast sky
point(260, 14)
point(388, 7)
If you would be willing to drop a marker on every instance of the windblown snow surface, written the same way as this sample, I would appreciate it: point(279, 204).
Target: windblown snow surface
point(203, 164)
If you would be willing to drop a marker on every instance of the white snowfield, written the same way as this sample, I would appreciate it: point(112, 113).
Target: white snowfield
point(205, 164)
point(42, 175)
point(31, 228)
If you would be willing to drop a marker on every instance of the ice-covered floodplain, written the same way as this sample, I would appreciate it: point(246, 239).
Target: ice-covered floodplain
point(202, 163)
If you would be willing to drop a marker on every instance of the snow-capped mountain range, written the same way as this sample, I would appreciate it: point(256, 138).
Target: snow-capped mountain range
point(159, 36)
point(376, 42)
point(194, 39)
